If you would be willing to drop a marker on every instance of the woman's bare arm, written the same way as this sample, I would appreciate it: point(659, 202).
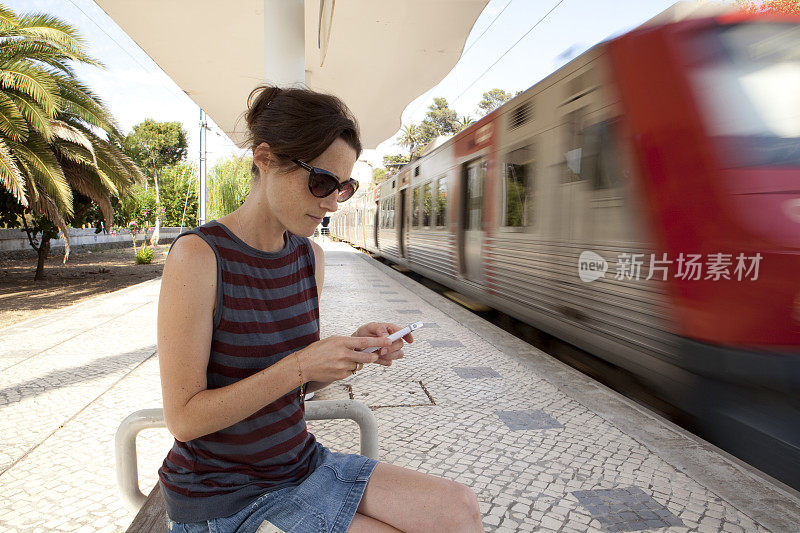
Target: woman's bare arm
point(185, 325)
point(319, 275)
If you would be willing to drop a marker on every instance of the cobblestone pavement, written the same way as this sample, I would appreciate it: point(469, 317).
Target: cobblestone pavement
point(543, 447)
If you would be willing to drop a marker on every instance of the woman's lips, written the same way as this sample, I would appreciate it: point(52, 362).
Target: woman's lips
point(316, 219)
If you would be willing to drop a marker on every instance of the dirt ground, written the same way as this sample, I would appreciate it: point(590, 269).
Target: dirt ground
point(86, 274)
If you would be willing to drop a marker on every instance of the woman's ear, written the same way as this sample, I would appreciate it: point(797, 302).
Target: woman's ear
point(262, 157)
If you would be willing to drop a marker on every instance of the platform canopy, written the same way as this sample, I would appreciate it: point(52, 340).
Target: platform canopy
point(377, 55)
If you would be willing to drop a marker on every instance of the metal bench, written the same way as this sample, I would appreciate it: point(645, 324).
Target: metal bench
point(151, 512)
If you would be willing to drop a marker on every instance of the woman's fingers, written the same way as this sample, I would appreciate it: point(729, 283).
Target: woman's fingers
point(396, 345)
point(395, 327)
point(360, 343)
point(388, 352)
point(386, 360)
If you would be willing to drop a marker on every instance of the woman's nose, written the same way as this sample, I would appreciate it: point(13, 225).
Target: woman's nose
point(329, 203)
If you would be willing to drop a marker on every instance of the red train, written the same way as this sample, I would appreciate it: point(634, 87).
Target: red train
point(642, 203)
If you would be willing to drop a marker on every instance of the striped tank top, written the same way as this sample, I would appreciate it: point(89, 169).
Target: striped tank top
point(267, 308)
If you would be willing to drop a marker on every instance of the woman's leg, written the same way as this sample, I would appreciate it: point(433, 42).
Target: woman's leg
point(412, 501)
point(364, 524)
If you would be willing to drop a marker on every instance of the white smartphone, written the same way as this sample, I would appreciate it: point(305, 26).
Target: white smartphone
point(396, 335)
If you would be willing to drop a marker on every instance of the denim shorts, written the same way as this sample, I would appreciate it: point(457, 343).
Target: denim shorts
point(325, 502)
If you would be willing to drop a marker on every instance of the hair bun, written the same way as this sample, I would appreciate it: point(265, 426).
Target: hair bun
point(259, 101)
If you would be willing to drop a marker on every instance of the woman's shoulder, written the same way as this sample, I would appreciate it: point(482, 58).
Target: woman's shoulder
point(191, 254)
point(191, 243)
point(319, 254)
point(308, 244)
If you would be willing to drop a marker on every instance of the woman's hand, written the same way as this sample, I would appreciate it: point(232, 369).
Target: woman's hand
point(335, 358)
point(383, 329)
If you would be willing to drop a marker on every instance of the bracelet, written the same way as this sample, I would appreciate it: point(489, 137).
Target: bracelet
point(299, 371)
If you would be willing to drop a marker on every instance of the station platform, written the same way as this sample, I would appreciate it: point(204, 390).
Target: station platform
point(544, 447)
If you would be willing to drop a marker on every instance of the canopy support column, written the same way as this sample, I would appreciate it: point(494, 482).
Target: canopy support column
point(284, 42)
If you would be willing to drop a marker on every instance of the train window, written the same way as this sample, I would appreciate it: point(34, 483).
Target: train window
point(519, 186)
point(474, 174)
point(441, 202)
point(427, 205)
point(580, 85)
point(599, 155)
point(415, 207)
point(391, 212)
point(572, 144)
point(747, 91)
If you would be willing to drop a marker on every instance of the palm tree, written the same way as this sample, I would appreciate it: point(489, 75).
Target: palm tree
point(409, 137)
point(465, 122)
point(55, 134)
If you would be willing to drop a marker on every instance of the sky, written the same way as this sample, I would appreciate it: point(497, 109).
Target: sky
point(513, 44)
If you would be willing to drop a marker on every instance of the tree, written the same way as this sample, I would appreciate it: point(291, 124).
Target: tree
point(139, 210)
point(439, 120)
point(379, 175)
point(228, 185)
point(409, 137)
point(465, 122)
point(56, 136)
point(770, 6)
point(180, 195)
point(155, 146)
point(395, 161)
point(492, 99)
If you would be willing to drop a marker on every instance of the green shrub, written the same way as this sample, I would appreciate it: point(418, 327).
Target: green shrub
point(144, 255)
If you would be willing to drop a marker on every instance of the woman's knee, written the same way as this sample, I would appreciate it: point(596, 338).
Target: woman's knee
point(468, 514)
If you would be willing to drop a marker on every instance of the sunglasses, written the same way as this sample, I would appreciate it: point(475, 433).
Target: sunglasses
point(322, 183)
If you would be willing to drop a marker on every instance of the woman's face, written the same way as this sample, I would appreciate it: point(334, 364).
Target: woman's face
point(292, 203)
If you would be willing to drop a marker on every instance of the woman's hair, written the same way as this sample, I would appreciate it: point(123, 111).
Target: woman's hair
point(298, 123)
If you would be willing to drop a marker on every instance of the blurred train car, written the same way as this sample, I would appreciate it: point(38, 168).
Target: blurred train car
point(643, 204)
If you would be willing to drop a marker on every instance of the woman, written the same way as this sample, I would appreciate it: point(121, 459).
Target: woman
point(238, 340)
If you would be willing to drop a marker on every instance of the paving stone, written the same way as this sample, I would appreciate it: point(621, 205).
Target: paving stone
point(445, 343)
point(625, 509)
point(475, 372)
point(530, 419)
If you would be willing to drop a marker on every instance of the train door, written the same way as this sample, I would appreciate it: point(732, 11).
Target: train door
point(473, 175)
point(572, 187)
point(403, 228)
point(377, 221)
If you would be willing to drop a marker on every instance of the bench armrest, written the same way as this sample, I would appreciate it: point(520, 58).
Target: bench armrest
point(125, 442)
